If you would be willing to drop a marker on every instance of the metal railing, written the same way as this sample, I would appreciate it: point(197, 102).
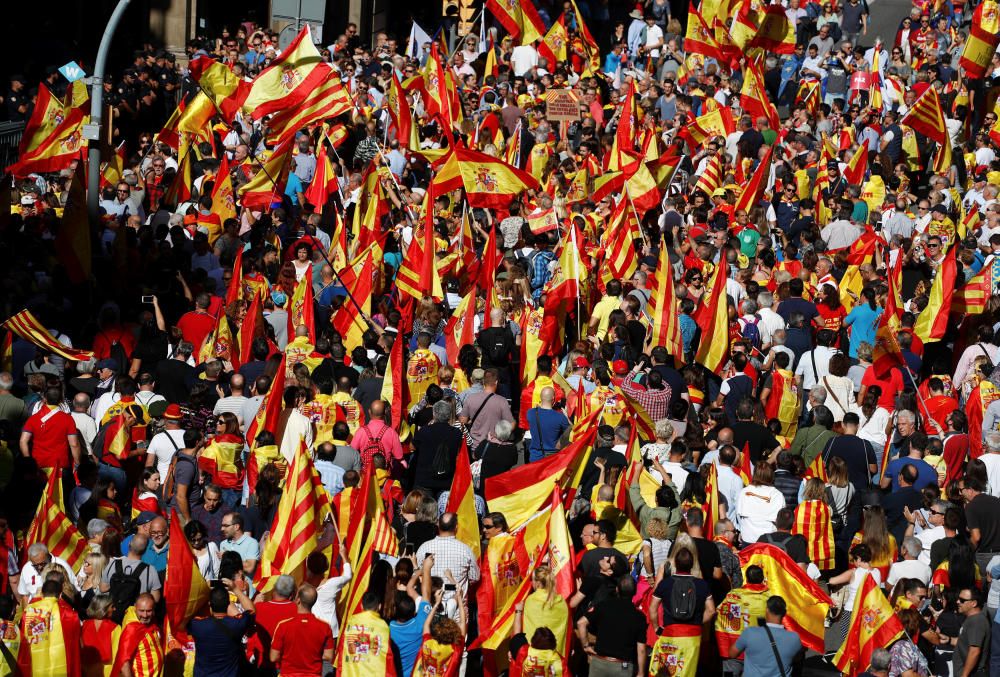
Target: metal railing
point(10, 139)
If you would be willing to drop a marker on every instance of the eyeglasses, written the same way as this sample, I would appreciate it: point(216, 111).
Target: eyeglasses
point(922, 209)
point(489, 526)
point(936, 512)
point(224, 525)
point(933, 246)
point(964, 599)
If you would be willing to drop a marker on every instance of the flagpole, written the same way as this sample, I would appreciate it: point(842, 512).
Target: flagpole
point(913, 380)
point(635, 212)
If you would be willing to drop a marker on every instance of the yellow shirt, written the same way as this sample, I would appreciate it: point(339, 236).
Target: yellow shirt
point(602, 311)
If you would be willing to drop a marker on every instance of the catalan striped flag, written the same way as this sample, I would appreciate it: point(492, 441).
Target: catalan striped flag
point(461, 501)
point(663, 309)
point(806, 601)
point(809, 95)
point(27, 326)
point(972, 298)
point(328, 100)
point(140, 646)
point(711, 179)
point(713, 319)
point(222, 459)
point(52, 527)
point(814, 522)
point(298, 522)
point(933, 319)
point(711, 499)
point(873, 625)
point(715, 123)
point(816, 469)
point(927, 117)
point(185, 590)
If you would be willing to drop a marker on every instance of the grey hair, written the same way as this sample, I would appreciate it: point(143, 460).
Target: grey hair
point(912, 546)
point(86, 366)
point(817, 395)
point(442, 412)
point(941, 505)
point(285, 586)
point(100, 606)
point(664, 429)
point(880, 660)
point(38, 550)
point(750, 307)
point(6, 381)
point(503, 430)
point(96, 527)
point(765, 299)
point(907, 414)
point(992, 441)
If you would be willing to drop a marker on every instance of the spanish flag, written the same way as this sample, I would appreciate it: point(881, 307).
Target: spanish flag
point(53, 137)
point(554, 44)
point(185, 590)
point(223, 197)
point(857, 167)
point(886, 353)
point(324, 182)
point(716, 123)
point(298, 522)
point(268, 184)
point(520, 492)
point(72, 244)
point(267, 414)
point(676, 651)
point(521, 19)
point(754, 98)
point(225, 89)
point(301, 308)
point(776, 34)
point(700, 38)
point(50, 639)
point(813, 522)
point(460, 329)
point(642, 189)
point(489, 183)
point(933, 319)
point(783, 402)
point(222, 459)
point(713, 319)
point(461, 502)
point(807, 603)
point(753, 191)
point(289, 80)
point(984, 36)
point(219, 344)
point(402, 116)
point(873, 625)
point(663, 309)
point(738, 611)
point(394, 388)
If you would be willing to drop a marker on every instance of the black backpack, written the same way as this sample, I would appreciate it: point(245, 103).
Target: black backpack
point(499, 354)
point(441, 464)
point(118, 354)
point(125, 587)
point(683, 599)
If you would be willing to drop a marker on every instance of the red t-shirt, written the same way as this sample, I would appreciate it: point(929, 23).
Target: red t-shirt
point(302, 640)
point(268, 616)
point(97, 648)
point(50, 430)
point(939, 407)
point(195, 326)
point(890, 385)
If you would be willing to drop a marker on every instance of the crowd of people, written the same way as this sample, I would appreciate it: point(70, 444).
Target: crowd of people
point(780, 370)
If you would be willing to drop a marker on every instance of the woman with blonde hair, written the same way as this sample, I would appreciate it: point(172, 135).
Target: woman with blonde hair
point(683, 542)
point(655, 549)
point(89, 578)
point(544, 607)
point(875, 534)
point(813, 521)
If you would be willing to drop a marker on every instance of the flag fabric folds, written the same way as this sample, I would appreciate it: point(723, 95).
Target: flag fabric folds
point(185, 590)
point(984, 36)
point(27, 326)
point(807, 603)
point(222, 459)
point(933, 319)
point(873, 625)
point(663, 309)
point(54, 528)
point(713, 319)
point(461, 501)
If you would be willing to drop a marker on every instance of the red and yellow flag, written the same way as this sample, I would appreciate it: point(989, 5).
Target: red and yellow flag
point(753, 191)
point(754, 98)
point(700, 38)
point(324, 182)
point(738, 611)
point(222, 459)
point(663, 309)
point(718, 122)
point(52, 139)
point(217, 81)
point(52, 527)
point(933, 319)
point(298, 522)
point(267, 415)
point(301, 311)
point(268, 184)
point(984, 36)
point(521, 19)
point(711, 179)
point(328, 100)
point(348, 320)
point(27, 326)
point(676, 651)
point(47, 645)
point(290, 79)
point(72, 244)
point(886, 353)
point(974, 294)
point(873, 625)
point(219, 344)
point(813, 522)
point(185, 590)
point(460, 329)
point(141, 647)
point(461, 501)
point(713, 319)
point(807, 603)
point(394, 388)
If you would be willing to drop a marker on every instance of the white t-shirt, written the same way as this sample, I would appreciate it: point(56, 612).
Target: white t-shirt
point(927, 538)
point(909, 568)
point(856, 580)
point(523, 59)
point(992, 462)
point(654, 34)
point(164, 450)
point(325, 608)
point(757, 507)
point(31, 579)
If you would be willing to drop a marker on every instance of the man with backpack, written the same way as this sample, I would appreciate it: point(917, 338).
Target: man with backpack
point(685, 600)
point(182, 485)
point(125, 578)
point(377, 436)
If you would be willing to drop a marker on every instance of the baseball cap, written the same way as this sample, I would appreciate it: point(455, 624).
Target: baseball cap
point(108, 364)
point(173, 412)
point(145, 517)
point(620, 367)
point(582, 362)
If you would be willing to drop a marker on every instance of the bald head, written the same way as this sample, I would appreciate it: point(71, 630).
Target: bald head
point(377, 409)
point(236, 384)
point(548, 395)
point(306, 597)
point(496, 317)
point(301, 330)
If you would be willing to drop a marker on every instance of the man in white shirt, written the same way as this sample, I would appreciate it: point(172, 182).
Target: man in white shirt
point(931, 528)
point(730, 484)
point(31, 579)
point(234, 402)
point(758, 504)
point(523, 59)
point(165, 444)
point(910, 567)
point(85, 425)
point(806, 375)
point(991, 459)
point(768, 317)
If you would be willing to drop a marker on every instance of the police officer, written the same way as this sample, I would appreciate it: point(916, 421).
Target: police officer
point(17, 99)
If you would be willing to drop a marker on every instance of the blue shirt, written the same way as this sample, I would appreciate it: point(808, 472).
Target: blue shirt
point(926, 475)
point(546, 426)
point(293, 187)
point(157, 560)
point(689, 329)
point(759, 659)
point(863, 322)
point(332, 476)
point(247, 547)
point(217, 644)
point(408, 636)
